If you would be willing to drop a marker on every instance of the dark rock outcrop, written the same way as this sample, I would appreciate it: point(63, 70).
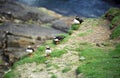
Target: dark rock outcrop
point(26, 13)
point(28, 25)
point(60, 25)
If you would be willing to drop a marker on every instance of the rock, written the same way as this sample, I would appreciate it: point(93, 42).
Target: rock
point(20, 43)
point(98, 44)
point(60, 25)
point(82, 58)
point(39, 38)
point(9, 57)
point(26, 13)
point(17, 21)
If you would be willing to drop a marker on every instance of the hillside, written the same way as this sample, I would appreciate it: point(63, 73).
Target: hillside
point(87, 53)
point(89, 50)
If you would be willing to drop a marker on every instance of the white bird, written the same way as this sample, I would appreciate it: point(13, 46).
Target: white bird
point(29, 49)
point(75, 21)
point(48, 51)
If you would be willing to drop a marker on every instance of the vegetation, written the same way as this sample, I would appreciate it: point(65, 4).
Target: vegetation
point(10, 74)
point(70, 31)
point(58, 53)
point(85, 33)
point(37, 57)
point(114, 11)
point(100, 63)
point(30, 21)
point(54, 76)
point(66, 69)
point(114, 16)
point(116, 32)
point(75, 26)
point(115, 22)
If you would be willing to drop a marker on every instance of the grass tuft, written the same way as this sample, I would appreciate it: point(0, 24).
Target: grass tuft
point(66, 69)
point(58, 53)
point(54, 76)
point(75, 26)
point(10, 74)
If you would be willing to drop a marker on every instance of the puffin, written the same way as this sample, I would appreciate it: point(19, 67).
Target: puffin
point(29, 50)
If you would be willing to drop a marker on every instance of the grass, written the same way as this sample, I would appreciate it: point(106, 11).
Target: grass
point(85, 33)
point(116, 32)
point(10, 74)
point(114, 11)
point(58, 53)
point(100, 63)
point(49, 65)
point(116, 20)
point(54, 76)
point(35, 58)
point(70, 32)
point(66, 69)
point(75, 26)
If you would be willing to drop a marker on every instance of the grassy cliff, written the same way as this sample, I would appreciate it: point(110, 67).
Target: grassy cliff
point(114, 16)
point(86, 53)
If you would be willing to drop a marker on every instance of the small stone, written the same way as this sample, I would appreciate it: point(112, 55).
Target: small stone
point(82, 58)
point(17, 21)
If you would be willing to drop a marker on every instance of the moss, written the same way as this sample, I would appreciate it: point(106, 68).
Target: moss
point(116, 32)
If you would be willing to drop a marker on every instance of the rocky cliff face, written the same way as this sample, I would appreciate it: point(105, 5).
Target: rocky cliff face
point(29, 22)
point(28, 25)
